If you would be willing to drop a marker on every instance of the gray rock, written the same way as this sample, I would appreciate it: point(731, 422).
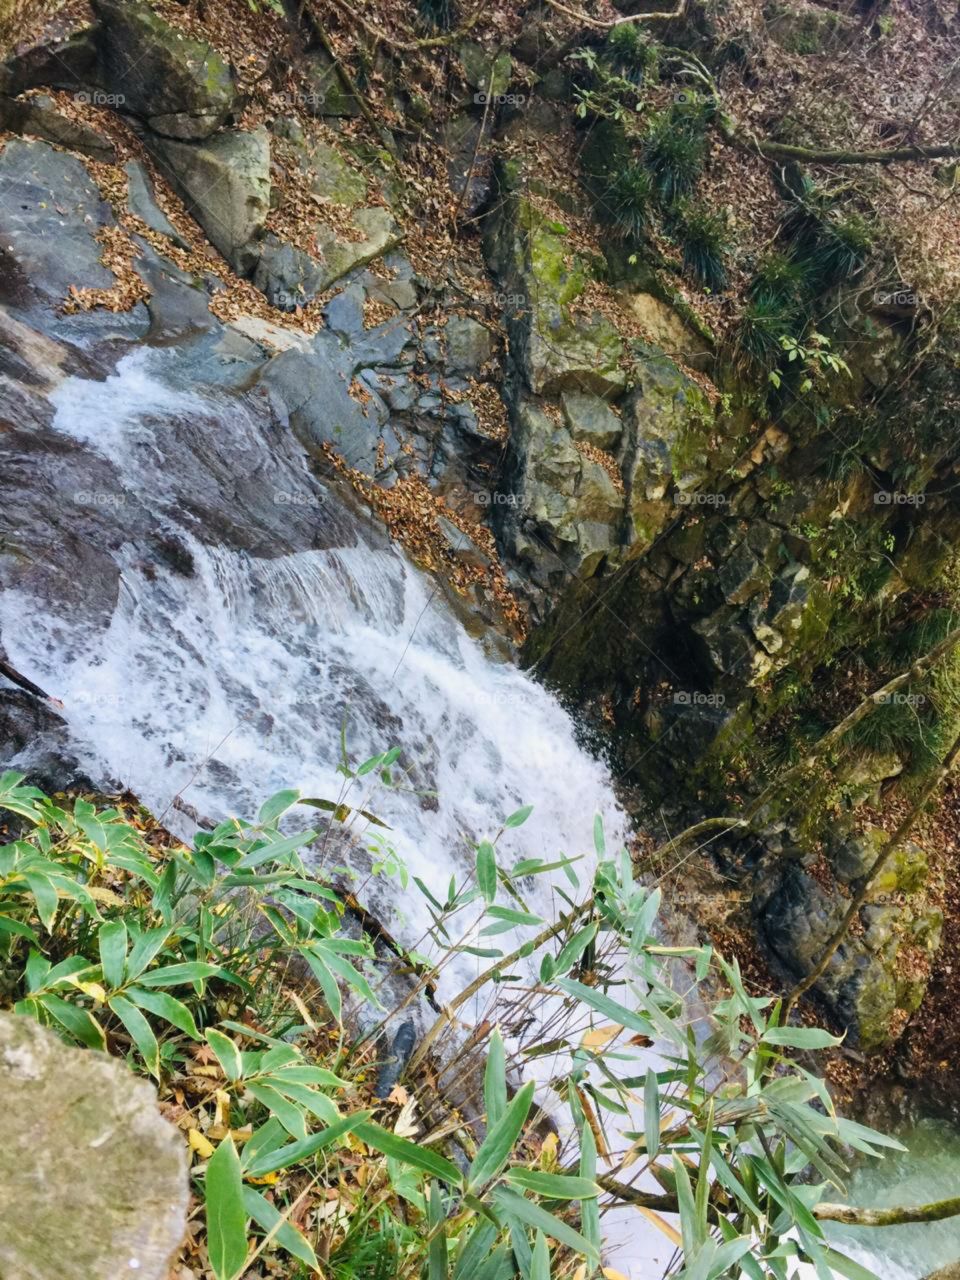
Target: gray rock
point(378, 232)
point(40, 118)
point(591, 419)
point(344, 312)
point(225, 184)
point(742, 576)
point(314, 389)
point(182, 87)
point(469, 160)
point(486, 70)
point(93, 1185)
point(142, 202)
point(50, 212)
point(55, 64)
point(288, 277)
point(324, 95)
point(469, 345)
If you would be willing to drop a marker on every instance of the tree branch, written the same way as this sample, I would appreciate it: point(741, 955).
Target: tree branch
point(854, 1216)
point(824, 155)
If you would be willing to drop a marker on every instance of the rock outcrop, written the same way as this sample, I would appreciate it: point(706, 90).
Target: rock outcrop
point(93, 1184)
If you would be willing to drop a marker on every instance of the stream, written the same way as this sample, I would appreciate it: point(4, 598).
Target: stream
point(218, 621)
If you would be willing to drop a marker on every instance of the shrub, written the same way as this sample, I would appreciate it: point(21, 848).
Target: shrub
point(674, 152)
point(178, 956)
point(705, 244)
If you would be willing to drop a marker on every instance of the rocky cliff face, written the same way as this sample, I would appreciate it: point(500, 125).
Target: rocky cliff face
point(712, 482)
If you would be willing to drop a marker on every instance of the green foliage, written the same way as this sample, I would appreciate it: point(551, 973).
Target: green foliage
point(632, 54)
point(628, 199)
point(705, 244)
point(674, 151)
point(175, 955)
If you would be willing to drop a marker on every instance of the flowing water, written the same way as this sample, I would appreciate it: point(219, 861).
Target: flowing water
point(217, 621)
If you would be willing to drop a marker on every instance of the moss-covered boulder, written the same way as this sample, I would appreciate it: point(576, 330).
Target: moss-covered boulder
point(182, 87)
point(561, 347)
point(565, 508)
point(93, 1184)
point(667, 456)
point(878, 975)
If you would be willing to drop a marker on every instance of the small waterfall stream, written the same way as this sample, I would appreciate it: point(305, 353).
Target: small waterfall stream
point(216, 620)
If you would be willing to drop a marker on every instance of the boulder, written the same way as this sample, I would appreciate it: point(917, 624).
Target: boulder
point(182, 87)
point(314, 389)
point(142, 202)
point(93, 1184)
point(40, 118)
point(225, 184)
point(559, 350)
point(49, 215)
point(591, 420)
point(564, 511)
point(324, 94)
point(469, 345)
point(287, 276)
point(867, 986)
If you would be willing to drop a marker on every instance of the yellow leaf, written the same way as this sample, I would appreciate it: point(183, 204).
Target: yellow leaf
point(93, 989)
point(548, 1152)
point(580, 1273)
point(201, 1145)
point(610, 1274)
point(597, 1037)
point(222, 1118)
point(268, 1180)
point(662, 1225)
point(301, 1008)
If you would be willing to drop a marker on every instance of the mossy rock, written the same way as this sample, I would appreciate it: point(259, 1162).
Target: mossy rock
point(183, 87)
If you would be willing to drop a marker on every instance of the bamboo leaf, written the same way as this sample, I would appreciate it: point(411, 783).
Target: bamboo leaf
point(140, 1031)
point(553, 1186)
point(487, 870)
point(533, 1216)
point(163, 1006)
point(500, 1140)
point(495, 1079)
point(389, 1144)
point(228, 1055)
point(268, 1216)
point(112, 944)
point(226, 1212)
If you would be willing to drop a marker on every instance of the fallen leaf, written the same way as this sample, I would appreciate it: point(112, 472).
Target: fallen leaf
point(597, 1037)
point(201, 1145)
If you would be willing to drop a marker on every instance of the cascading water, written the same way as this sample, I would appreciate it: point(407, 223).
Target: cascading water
point(216, 620)
point(278, 620)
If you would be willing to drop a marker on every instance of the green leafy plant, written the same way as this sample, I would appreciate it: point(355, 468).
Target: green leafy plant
point(628, 198)
point(674, 151)
point(176, 957)
point(705, 238)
